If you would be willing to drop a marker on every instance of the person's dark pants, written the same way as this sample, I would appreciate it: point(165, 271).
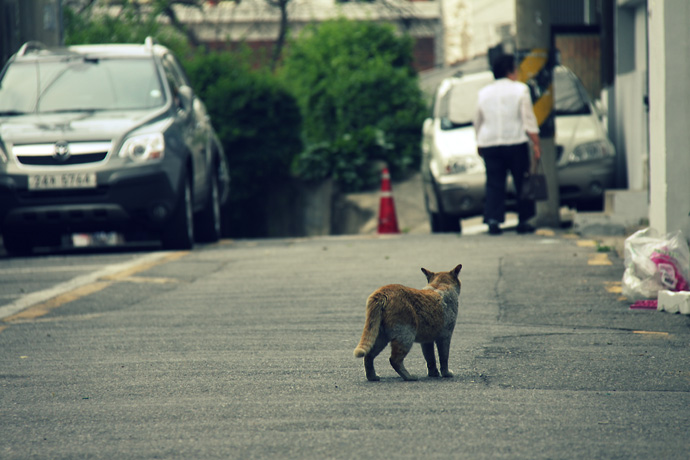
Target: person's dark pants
point(499, 160)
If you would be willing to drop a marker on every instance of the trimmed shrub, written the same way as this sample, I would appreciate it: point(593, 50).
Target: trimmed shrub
point(360, 101)
point(259, 124)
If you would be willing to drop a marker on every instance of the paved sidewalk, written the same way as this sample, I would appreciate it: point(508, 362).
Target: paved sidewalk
point(413, 219)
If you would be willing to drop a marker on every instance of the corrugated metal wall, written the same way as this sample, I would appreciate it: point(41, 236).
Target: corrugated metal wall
point(577, 36)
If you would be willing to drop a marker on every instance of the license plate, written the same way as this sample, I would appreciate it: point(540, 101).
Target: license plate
point(62, 181)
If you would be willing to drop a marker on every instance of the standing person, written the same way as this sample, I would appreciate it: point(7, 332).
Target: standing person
point(503, 123)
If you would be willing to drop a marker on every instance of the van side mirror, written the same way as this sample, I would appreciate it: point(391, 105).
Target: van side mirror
point(426, 127)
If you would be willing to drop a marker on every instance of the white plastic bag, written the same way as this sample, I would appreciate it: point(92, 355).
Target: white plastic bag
point(654, 263)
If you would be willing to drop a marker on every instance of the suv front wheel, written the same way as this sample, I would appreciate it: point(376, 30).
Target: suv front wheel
point(207, 222)
point(180, 232)
point(17, 243)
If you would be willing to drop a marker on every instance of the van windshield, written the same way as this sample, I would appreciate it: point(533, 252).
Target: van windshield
point(456, 107)
point(571, 97)
point(79, 83)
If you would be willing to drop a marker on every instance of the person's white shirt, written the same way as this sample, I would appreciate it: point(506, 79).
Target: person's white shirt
point(504, 114)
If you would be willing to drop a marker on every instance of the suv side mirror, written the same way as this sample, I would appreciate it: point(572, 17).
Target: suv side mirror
point(186, 98)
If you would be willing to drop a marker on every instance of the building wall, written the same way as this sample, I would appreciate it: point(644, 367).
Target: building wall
point(669, 48)
point(492, 22)
point(630, 128)
point(424, 53)
point(255, 23)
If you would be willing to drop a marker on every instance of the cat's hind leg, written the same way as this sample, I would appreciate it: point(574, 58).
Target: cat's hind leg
point(379, 345)
point(400, 349)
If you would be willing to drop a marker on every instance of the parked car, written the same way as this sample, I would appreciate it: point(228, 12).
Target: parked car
point(106, 138)
point(454, 175)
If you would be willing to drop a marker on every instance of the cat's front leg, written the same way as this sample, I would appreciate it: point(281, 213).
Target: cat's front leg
point(443, 352)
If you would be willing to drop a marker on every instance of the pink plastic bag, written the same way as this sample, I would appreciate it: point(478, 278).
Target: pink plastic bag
point(654, 263)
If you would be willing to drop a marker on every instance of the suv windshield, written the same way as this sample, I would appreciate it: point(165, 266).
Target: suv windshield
point(80, 83)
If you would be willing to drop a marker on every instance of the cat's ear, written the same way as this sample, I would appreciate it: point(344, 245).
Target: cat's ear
point(427, 273)
point(456, 270)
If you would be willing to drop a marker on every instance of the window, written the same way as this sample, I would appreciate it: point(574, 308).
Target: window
point(79, 84)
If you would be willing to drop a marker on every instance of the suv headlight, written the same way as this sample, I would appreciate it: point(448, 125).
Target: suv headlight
point(465, 164)
point(144, 147)
point(591, 151)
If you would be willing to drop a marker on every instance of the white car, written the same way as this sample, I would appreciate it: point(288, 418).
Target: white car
point(454, 175)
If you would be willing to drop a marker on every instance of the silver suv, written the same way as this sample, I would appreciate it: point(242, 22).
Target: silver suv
point(106, 138)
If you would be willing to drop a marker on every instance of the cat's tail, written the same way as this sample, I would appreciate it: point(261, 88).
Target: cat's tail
point(372, 323)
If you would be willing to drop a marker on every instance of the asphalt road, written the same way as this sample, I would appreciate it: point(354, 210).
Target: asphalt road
point(244, 350)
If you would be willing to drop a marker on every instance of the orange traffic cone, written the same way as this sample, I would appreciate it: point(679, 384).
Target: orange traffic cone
point(388, 223)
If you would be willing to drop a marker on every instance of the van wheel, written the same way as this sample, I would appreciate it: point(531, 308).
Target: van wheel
point(17, 244)
point(180, 231)
point(207, 222)
point(444, 223)
point(441, 222)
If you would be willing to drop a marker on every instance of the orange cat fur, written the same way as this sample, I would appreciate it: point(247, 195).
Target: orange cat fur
point(402, 315)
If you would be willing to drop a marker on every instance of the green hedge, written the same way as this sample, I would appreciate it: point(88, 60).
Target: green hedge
point(360, 100)
point(259, 124)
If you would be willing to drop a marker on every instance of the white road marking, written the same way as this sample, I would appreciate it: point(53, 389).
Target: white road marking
point(60, 268)
point(41, 296)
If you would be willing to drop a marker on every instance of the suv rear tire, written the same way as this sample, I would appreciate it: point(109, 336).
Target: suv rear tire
point(444, 223)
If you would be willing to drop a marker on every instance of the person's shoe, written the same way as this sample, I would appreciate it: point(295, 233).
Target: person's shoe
point(525, 228)
point(494, 228)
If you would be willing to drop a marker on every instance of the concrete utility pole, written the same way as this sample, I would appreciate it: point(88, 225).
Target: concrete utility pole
point(29, 20)
point(535, 67)
point(669, 111)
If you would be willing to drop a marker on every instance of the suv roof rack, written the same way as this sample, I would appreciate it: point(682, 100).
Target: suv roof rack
point(149, 42)
point(31, 46)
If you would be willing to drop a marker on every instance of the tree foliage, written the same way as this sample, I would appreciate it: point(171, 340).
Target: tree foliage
point(360, 101)
point(88, 24)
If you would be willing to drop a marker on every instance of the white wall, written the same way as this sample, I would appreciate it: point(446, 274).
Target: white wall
point(458, 30)
point(669, 93)
point(487, 17)
point(630, 130)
